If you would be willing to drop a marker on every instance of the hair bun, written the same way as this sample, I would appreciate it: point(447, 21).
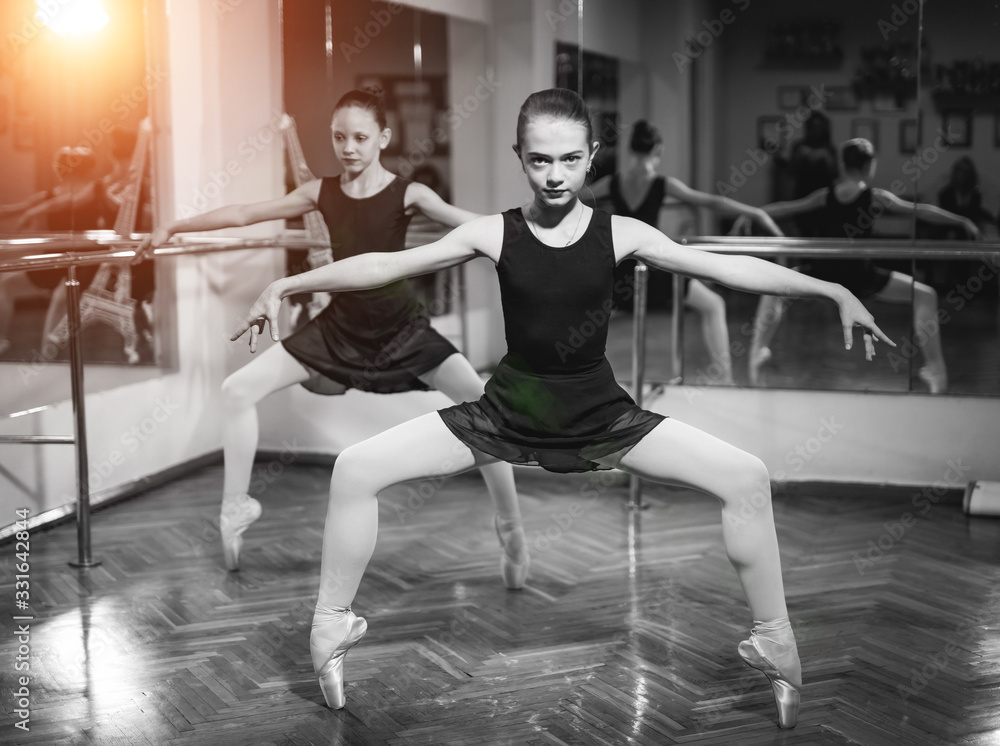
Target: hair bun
point(645, 137)
point(375, 90)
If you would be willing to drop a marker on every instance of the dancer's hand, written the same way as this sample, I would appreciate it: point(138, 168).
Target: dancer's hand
point(263, 311)
point(150, 243)
point(852, 314)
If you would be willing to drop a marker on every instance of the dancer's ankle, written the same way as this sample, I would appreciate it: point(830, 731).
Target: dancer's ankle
point(776, 640)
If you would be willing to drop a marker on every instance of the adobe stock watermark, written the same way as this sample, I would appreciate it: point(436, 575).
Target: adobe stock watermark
point(31, 27)
point(901, 13)
point(784, 129)
point(795, 459)
point(249, 148)
point(925, 329)
point(894, 531)
point(455, 116)
point(363, 35)
point(966, 632)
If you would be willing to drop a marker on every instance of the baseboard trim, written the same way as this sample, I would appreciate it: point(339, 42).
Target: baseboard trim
point(65, 513)
point(106, 498)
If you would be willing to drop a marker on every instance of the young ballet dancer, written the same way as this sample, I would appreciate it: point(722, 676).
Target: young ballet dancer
point(848, 210)
point(639, 192)
point(553, 402)
point(377, 340)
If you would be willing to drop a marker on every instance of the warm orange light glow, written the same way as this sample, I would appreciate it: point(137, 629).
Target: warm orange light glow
point(72, 17)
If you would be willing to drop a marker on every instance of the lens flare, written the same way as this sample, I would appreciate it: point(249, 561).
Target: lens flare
point(72, 17)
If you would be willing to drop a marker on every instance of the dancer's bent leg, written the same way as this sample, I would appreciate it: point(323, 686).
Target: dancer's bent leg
point(675, 453)
point(903, 289)
point(711, 307)
point(420, 448)
point(269, 371)
point(458, 380)
point(766, 321)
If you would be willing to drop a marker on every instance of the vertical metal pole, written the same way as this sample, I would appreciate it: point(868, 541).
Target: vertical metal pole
point(638, 366)
point(79, 424)
point(677, 327)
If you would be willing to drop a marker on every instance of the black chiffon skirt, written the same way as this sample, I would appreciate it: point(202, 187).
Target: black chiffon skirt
point(371, 341)
point(559, 422)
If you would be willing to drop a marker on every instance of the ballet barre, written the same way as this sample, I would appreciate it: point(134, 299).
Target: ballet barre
point(772, 247)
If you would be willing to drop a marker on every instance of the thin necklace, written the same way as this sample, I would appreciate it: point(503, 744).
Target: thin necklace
point(579, 217)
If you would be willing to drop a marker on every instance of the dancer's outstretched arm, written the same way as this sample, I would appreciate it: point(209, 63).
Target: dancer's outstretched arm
point(925, 211)
point(292, 205)
point(480, 237)
point(679, 190)
point(742, 273)
point(427, 201)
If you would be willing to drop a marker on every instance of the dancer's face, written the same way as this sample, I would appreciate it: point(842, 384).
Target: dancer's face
point(357, 139)
point(555, 155)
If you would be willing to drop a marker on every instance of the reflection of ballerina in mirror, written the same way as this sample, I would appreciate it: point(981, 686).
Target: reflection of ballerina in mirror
point(108, 296)
point(813, 165)
point(640, 192)
point(76, 203)
point(379, 340)
point(962, 196)
point(848, 210)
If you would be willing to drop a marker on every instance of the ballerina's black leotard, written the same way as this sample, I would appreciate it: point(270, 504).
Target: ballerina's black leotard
point(553, 400)
point(373, 340)
point(660, 284)
point(851, 220)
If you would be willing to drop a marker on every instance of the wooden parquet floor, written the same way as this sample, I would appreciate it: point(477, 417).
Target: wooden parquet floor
point(626, 633)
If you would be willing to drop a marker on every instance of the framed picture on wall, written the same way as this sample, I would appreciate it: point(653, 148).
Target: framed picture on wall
point(909, 136)
point(866, 128)
point(790, 96)
point(957, 125)
point(840, 98)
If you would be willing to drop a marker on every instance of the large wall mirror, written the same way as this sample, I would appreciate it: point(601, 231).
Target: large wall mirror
point(775, 89)
point(333, 46)
point(75, 84)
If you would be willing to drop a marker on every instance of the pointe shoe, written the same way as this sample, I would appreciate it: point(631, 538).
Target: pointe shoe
point(514, 574)
point(936, 382)
point(786, 693)
point(235, 518)
point(757, 360)
point(331, 672)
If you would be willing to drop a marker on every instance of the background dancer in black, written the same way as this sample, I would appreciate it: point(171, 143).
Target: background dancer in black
point(374, 340)
point(848, 209)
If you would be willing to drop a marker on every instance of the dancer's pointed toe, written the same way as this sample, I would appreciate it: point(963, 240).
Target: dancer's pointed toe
point(236, 516)
point(787, 693)
point(513, 571)
point(328, 660)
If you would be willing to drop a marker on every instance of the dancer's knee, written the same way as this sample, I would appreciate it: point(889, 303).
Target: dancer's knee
point(748, 475)
point(236, 393)
point(355, 472)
